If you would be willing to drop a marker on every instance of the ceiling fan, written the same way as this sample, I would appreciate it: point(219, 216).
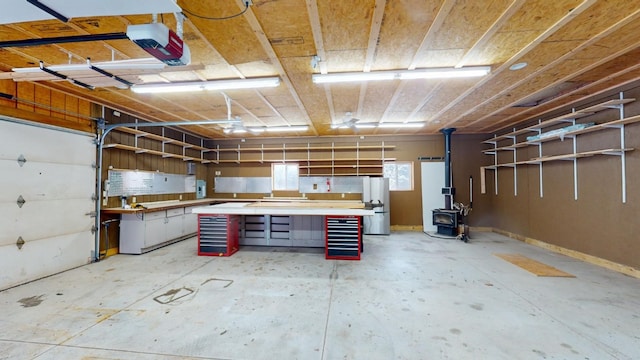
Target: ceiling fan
point(348, 122)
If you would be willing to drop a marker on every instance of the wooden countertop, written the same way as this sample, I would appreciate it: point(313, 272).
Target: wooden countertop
point(161, 206)
point(349, 208)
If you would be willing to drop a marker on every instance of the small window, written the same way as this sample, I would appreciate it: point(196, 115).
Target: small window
point(284, 176)
point(400, 175)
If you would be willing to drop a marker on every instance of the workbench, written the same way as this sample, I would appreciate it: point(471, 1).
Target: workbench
point(156, 224)
point(333, 225)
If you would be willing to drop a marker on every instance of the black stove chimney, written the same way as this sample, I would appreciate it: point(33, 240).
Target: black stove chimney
point(448, 190)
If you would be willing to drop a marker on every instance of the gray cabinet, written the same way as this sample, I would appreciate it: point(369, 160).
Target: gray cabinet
point(145, 231)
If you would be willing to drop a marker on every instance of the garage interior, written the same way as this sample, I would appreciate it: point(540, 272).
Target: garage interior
point(541, 103)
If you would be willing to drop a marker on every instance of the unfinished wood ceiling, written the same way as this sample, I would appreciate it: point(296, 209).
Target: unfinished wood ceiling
point(574, 49)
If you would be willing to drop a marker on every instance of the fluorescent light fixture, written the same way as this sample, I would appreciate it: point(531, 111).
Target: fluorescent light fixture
point(261, 129)
point(407, 125)
point(207, 85)
point(286, 128)
point(445, 73)
point(366, 126)
point(353, 76)
point(433, 73)
point(389, 125)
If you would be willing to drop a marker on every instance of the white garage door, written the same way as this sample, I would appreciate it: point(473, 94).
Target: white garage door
point(47, 181)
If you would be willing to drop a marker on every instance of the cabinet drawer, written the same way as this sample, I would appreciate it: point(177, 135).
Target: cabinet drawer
point(175, 212)
point(155, 215)
point(254, 219)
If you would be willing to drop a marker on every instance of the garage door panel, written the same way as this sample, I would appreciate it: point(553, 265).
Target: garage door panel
point(38, 220)
point(45, 181)
point(56, 184)
point(42, 258)
point(35, 145)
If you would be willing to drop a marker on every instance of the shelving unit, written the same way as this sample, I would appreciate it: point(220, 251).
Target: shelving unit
point(572, 135)
point(362, 165)
point(164, 140)
point(362, 160)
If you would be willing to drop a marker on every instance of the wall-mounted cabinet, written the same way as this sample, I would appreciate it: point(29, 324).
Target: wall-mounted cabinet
point(548, 131)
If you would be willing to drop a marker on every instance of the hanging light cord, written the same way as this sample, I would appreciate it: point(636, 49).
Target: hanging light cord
point(246, 7)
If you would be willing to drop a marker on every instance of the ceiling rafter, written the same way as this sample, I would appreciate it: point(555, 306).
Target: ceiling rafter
point(316, 29)
point(392, 101)
point(273, 108)
point(328, 94)
point(273, 57)
point(212, 48)
point(361, 99)
point(582, 90)
point(443, 12)
point(529, 47)
point(491, 31)
point(425, 100)
point(567, 55)
point(374, 34)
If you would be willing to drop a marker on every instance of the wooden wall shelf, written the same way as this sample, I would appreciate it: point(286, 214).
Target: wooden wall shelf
point(363, 160)
point(163, 140)
point(356, 159)
point(571, 135)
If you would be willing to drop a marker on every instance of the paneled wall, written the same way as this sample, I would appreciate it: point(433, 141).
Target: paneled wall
point(406, 206)
point(597, 223)
point(39, 103)
point(124, 159)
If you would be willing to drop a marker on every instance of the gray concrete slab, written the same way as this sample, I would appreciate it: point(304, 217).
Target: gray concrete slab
point(410, 297)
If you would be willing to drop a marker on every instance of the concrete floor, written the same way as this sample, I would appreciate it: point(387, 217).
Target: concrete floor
point(410, 297)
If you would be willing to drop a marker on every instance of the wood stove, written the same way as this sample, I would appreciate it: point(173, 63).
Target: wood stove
point(446, 221)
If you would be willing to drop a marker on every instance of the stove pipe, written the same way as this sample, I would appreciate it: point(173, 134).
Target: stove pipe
point(448, 189)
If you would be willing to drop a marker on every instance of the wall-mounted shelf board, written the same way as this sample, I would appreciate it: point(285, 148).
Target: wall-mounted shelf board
point(139, 150)
point(305, 148)
point(363, 159)
point(571, 135)
point(570, 117)
point(164, 139)
point(568, 134)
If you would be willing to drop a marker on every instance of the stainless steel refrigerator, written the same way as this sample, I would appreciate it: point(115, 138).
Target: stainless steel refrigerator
point(375, 195)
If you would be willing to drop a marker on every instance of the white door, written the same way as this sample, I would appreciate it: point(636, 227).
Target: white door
point(432, 174)
point(47, 181)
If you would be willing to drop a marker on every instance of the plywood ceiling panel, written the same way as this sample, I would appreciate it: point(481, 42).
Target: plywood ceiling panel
point(287, 27)
point(575, 49)
point(403, 27)
point(467, 14)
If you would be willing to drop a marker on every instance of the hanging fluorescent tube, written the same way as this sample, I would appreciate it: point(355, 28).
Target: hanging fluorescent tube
point(408, 125)
point(261, 129)
point(366, 126)
point(444, 73)
point(353, 77)
point(286, 128)
point(433, 73)
point(207, 85)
